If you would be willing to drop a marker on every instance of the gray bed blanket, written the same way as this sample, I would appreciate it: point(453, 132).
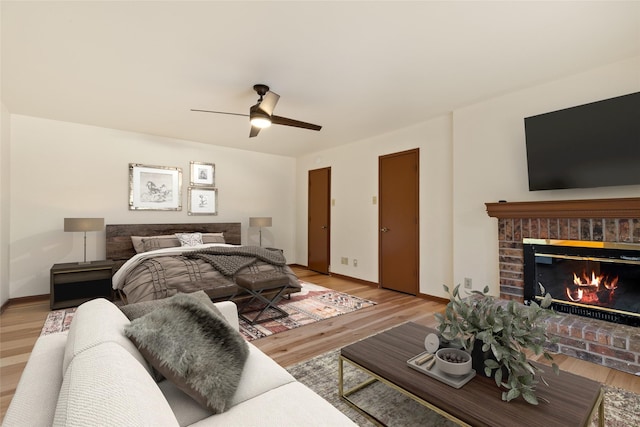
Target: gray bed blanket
point(229, 261)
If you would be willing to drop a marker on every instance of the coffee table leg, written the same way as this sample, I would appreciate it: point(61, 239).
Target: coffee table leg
point(599, 407)
point(345, 394)
point(601, 410)
point(374, 378)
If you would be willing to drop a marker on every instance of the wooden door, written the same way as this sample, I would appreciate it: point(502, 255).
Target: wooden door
point(319, 220)
point(399, 221)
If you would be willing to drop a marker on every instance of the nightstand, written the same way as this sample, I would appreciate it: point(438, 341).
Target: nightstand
point(73, 283)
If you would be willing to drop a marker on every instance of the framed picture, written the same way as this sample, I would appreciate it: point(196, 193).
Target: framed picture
point(203, 174)
point(157, 188)
point(202, 201)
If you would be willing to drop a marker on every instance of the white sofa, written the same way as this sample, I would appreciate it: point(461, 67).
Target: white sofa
point(94, 375)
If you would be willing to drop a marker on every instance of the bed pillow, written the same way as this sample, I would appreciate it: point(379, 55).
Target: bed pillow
point(139, 309)
point(213, 238)
point(138, 246)
point(189, 239)
point(159, 242)
point(154, 242)
point(194, 348)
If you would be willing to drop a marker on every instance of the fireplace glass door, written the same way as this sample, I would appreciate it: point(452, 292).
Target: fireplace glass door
point(593, 280)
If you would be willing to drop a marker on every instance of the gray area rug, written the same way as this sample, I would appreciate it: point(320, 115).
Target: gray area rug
point(622, 408)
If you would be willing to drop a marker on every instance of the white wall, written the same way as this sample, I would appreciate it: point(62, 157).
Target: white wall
point(61, 169)
point(4, 202)
point(489, 160)
point(475, 156)
point(354, 218)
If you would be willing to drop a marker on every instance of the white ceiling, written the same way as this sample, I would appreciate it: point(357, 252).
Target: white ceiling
point(359, 68)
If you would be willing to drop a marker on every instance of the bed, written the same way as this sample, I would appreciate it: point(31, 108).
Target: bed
point(151, 262)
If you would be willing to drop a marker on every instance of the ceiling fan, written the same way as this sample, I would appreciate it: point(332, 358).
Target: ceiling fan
point(261, 114)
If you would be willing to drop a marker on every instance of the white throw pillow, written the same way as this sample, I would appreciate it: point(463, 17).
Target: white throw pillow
point(189, 239)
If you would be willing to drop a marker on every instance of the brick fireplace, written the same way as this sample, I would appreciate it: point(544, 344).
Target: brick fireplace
point(602, 220)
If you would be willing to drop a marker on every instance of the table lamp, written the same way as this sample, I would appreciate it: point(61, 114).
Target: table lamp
point(84, 225)
point(261, 221)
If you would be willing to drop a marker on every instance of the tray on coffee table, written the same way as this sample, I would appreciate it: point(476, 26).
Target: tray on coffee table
point(434, 372)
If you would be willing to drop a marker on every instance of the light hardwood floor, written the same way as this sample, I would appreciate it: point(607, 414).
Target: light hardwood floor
point(21, 323)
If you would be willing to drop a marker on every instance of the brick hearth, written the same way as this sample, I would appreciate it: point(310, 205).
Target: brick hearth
point(603, 220)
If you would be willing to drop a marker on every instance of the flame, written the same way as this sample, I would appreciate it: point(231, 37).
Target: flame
point(593, 289)
point(578, 294)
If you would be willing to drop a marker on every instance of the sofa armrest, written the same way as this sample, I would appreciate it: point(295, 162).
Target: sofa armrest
point(230, 311)
point(35, 399)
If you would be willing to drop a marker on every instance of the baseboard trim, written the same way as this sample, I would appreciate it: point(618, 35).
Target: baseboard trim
point(433, 298)
point(355, 279)
point(376, 285)
point(27, 299)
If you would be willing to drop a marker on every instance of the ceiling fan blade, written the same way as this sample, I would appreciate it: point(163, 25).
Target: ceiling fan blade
point(220, 112)
point(254, 131)
point(269, 102)
point(277, 120)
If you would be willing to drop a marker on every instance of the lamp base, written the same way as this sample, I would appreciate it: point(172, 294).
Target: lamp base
point(84, 262)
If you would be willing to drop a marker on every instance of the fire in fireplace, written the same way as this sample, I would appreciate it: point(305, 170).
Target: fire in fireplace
point(593, 279)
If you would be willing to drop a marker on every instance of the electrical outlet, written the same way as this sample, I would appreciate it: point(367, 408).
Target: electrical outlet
point(344, 260)
point(467, 283)
point(355, 262)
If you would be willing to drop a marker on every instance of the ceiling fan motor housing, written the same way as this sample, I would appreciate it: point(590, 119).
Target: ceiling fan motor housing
point(261, 89)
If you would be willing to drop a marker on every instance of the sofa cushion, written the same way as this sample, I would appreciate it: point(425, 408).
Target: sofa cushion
point(95, 322)
point(193, 347)
point(292, 405)
point(260, 374)
point(139, 309)
point(105, 384)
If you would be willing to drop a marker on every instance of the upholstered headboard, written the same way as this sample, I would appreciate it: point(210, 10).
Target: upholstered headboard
point(120, 248)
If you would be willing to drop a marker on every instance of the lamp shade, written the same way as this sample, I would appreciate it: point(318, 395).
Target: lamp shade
point(83, 224)
point(260, 221)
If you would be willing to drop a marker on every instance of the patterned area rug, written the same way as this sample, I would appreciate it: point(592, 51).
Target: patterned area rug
point(312, 304)
point(622, 408)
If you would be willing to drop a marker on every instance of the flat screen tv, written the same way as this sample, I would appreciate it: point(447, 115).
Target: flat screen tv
point(591, 145)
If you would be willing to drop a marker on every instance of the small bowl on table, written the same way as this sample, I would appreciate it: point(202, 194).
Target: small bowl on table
point(453, 361)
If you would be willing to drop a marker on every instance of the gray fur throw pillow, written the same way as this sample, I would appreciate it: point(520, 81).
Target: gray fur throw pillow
point(139, 309)
point(194, 348)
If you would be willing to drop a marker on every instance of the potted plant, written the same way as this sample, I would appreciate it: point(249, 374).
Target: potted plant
point(502, 332)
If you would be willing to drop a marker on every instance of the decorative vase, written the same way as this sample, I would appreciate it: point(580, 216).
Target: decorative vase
point(478, 357)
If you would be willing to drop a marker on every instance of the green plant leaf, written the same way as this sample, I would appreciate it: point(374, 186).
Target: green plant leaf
point(492, 364)
point(530, 397)
point(456, 291)
point(546, 302)
point(498, 377)
point(512, 394)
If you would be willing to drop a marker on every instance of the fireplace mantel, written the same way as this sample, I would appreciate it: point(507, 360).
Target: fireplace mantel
point(594, 208)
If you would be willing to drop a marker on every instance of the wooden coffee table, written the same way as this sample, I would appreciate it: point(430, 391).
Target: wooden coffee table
point(573, 400)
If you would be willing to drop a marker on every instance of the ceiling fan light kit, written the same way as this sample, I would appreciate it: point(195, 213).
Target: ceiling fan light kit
point(261, 115)
point(258, 118)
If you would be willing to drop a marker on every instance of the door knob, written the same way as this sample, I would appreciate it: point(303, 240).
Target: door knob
point(324, 227)
point(384, 229)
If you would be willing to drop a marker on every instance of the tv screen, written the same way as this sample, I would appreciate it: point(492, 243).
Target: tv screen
point(591, 145)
